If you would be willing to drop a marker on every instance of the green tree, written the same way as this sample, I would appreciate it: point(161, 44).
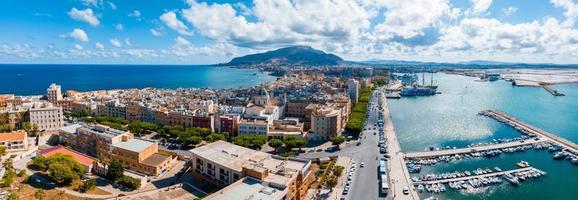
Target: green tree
point(250, 141)
point(8, 178)
point(276, 143)
point(35, 130)
point(331, 182)
point(129, 182)
point(39, 163)
point(2, 150)
point(338, 140)
point(214, 137)
point(62, 174)
point(88, 185)
point(115, 170)
point(40, 194)
point(27, 126)
point(13, 195)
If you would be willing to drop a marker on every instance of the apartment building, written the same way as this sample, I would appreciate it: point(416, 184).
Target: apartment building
point(94, 140)
point(142, 156)
point(254, 126)
point(112, 108)
point(353, 90)
point(54, 93)
point(229, 124)
point(46, 116)
point(224, 164)
point(14, 141)
point(326, 123)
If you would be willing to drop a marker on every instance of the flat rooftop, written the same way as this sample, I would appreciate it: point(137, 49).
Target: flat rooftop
point(155, 160)
point(248, 189)
point(134, 145)
point(13, 136)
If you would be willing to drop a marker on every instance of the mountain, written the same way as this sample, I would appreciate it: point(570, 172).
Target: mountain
point(466, 64)
point(294, 55)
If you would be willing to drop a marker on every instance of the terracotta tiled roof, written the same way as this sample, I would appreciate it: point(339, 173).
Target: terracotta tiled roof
point(13, 136)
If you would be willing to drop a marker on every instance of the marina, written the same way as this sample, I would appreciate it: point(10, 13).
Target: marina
point(465, 178)
point(451, 120)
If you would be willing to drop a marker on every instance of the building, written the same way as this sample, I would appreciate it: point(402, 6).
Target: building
point(94, 140)
point(229, 123)
point(224, 164)
point(142, 156)
point(254, 126)
point(112, 109)
point(280, 129)
point(14, 141)
point(46, 116)
point(4, 98)
point(326, 123)
point(86, 161)
point(353, 90)
point(250, 188)
point(54, 93)
point(262, 108)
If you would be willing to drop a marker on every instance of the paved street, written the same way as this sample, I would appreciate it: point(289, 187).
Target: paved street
point(366, 180)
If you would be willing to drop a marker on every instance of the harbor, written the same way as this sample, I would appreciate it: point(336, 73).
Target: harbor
point(444, 122)
point(476, 176)
point(474, 150)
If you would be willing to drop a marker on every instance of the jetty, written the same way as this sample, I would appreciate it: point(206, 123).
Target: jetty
point(552, 91)
point(465, 178)
point(496, 146)
point(522, 126)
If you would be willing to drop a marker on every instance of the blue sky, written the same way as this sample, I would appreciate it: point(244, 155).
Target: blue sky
point(203, 32)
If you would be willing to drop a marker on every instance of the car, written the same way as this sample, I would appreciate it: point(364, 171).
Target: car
point(358, 143)
point(362, 164)
point(405, 190)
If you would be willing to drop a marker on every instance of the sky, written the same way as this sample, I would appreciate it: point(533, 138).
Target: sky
point(215, 31)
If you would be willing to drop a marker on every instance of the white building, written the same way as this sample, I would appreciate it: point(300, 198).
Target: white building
point(353, 90)
point(46, 116)
point(54, 93)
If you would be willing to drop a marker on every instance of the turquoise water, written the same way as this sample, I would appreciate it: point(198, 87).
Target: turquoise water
point(34, 79)
point(451, 119)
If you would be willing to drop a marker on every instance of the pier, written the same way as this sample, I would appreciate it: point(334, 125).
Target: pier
point(552, 91)
point(475, 176)
point(473, 149)
point(517, 124)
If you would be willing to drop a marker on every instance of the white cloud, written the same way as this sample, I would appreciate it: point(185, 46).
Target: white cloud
point(84, 16)
point(180, 42)
point(93, 3)
point(510, 10)
point(571, 10)
point(480, 6)
point(170, 19)
point(77, 46)
point(98, 46)
point(115, 42)
point(78, 34)
point(156, 32)
point(135, 13)
point(119, 27)
point(280, 22)
point(408, 18)
point(111, 5)
point(127, 42)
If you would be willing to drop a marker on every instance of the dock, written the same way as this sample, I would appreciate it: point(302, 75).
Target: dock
point(515, 123)
point(446, 152)
point(552, 91)
point(475, 176)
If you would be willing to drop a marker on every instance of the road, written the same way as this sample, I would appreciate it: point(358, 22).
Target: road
point(365, 183)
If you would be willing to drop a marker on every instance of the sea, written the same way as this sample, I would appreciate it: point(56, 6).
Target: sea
point(450, 119)
point(34, 79)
